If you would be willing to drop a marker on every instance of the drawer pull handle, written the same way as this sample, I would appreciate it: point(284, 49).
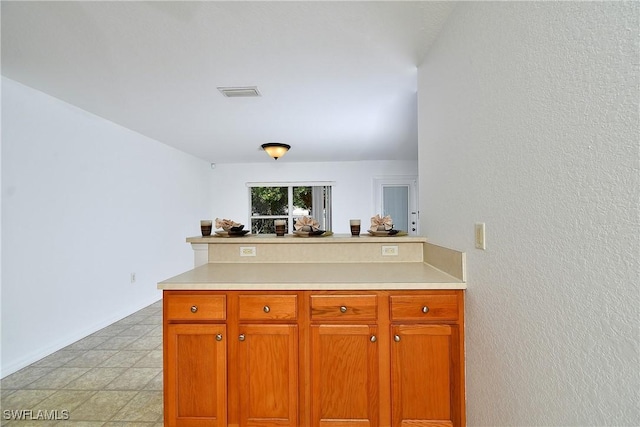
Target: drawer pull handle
point(343, 309)
point(194, 308)
point(425, 309)
point(266, 309)
point(373, 338)
point(219, 337)
point(241, 337)
point(396, 338)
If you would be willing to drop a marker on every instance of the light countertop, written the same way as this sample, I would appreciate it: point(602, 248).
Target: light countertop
point(312, 276)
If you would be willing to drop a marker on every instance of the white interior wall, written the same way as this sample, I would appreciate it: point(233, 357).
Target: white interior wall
point(85, 203)
point(528, 121)
point(352, 194)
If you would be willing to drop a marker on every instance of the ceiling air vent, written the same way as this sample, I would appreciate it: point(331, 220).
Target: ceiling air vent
point(239, 92)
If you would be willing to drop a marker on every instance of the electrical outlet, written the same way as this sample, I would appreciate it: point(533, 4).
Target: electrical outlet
point(133, 277)
point(389, 250)
point(247, 251)
point(480, 236)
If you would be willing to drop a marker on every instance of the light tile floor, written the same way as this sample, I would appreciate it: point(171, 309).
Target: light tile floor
point(112, 378)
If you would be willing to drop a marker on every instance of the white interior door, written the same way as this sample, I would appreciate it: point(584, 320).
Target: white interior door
point(397, 197)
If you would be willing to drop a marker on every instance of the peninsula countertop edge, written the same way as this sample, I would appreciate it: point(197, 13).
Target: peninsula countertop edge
point(313, 276)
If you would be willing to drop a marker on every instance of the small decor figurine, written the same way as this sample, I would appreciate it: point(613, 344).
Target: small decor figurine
point(231, 228)
point(306, 226)
point(381, 223)
point(228, 225)
point(306, 223)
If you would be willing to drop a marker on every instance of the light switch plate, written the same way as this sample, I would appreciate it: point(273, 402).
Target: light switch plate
point(480, 236)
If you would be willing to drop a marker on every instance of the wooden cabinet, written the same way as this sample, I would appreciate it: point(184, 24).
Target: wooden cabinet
point(267, 360)
point(421, 361)
point(231, 359)
point(268, 375)
point(314, 358)
point(427, 359)
point(344, 360)
point(195, 359)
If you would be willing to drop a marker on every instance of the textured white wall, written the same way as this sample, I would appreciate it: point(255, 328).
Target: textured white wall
point(528, 121)
point(84, 204)
point(352, 194)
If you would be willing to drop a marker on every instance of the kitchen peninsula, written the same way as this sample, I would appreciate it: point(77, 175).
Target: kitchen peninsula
point(316, 331)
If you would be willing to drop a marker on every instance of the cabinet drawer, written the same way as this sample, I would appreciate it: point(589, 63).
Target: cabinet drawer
point(424, 307)
point(275, 307)
point(344, 307)
point(195, 307)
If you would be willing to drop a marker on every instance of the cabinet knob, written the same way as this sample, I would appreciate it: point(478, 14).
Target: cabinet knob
point(241, 337)
point(343, 309)
point(373, 338)
point(396, 338)
point(194, 308)
point(266, 309)
point(219, 337)
point(425, 309)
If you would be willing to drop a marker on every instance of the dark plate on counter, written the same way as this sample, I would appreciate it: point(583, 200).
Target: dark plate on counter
point(317, 233)
point(232, 233)
point(387, 233)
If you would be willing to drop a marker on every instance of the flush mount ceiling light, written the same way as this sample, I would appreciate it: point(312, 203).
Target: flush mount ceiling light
point(275, 149)
point(239, 92)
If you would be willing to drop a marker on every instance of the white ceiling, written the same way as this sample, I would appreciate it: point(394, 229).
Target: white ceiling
point(338, 79)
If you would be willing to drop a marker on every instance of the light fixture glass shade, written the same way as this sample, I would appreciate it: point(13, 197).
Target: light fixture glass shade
point(275, 149)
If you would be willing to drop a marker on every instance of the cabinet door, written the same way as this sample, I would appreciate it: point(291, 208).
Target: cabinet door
point(344, 375)
point(268, 375)
point(422, 383)
point(196, 375)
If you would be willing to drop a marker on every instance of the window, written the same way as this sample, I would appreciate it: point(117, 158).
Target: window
point(271, 201)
